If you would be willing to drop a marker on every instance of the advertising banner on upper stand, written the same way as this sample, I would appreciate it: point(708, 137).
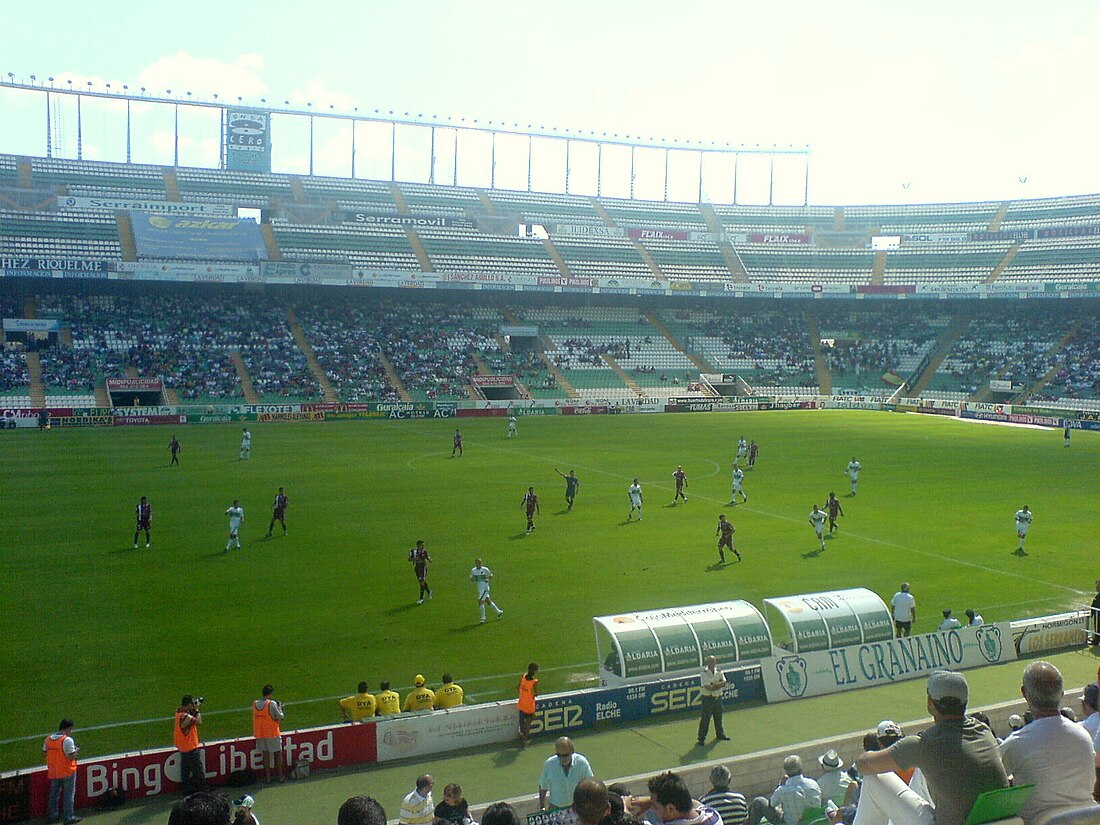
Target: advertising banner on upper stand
point(193, 237)
point(892, 660)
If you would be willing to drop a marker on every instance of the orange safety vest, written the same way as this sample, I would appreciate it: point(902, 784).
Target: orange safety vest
point(527, 694)
point(185, 742)
point(263, 726)
point(58, 764)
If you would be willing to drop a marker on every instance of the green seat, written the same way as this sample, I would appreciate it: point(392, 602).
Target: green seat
point(811, 816)
point(1003, 803)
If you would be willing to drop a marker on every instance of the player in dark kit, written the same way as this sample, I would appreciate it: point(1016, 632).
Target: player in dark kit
point(420, 561)
point(144, 515)
point(725, 537)
point(571, 485)
point(681, 483)
point(753, 450)
point(530, 504)
point(458, 445)
point(832, 507)
point(278, 512)
point(174, 446)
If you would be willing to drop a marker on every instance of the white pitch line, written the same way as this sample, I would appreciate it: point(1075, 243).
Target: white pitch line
point(158, 719)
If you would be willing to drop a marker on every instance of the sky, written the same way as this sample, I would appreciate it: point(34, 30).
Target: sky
point(898, 102)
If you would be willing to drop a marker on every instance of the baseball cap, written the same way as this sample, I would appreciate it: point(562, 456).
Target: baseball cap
point(888, 727)
point(419, 680)
point(245, 801)
point(1015, 721)
point(831, 760)
point(946, 684)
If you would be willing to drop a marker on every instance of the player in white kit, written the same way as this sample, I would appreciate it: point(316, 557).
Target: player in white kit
point(738, 482)
point(635, 493)
point(512, 426)
point(481, 575)
point(817, 519)
point(853, 472)
point(246, 445)
point(236, 516)
point(1023, 522)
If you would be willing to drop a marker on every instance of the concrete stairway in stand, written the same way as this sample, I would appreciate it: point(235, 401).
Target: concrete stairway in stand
point(311, 357)
point(247, 387)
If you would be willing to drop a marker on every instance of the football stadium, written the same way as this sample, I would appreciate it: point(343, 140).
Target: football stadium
point(344, 424)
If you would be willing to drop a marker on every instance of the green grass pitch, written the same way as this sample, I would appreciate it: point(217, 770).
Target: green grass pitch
point(107, 634)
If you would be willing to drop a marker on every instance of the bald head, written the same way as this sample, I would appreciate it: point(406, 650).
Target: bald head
point(1042, 688)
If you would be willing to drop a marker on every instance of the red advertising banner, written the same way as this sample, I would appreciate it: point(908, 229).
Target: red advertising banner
point(778, 237)
point(657, 234)
point(493, 380)
point(150, 773)
point(133, 384)
point(484, 412)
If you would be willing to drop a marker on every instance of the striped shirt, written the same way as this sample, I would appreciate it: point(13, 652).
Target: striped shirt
point(731, 806)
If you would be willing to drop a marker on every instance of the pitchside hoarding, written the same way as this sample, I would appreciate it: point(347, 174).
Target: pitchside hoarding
point(864, 665)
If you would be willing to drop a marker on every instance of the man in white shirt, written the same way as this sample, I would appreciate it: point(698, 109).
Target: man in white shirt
point(1089, 698)
point(236, 516)
point(1023, 522)
point(817, 519)
point(852, 470)
point(481, 576)
point(246, 445)
point(417, 808)
point(635, 494)
point(905, 610)
point(973, 619)
point(949, 622)
point(834, 781)
point(790, 800)
point(712, 683)
point(738, 485)
point(561, 774)
point(1051, 752)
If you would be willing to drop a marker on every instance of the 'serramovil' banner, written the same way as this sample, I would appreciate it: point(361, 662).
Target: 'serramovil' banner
point(153, 772)
point(893, 660)
point(54, 264)
point(1069, 231)
point(221, 239)
point(1003, 235)
point(134, 384)
point(247, 140)
point(31, 325)
point(630, 703)
point(394, 219)
point(1050, 632)
point(138, 205)
point(409, 735)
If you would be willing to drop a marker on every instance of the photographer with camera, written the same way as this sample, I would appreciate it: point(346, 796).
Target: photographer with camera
point(185, 737)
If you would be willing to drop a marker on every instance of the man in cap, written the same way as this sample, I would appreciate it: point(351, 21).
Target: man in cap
point(794, 795)
point(244, 815)
point(834, 781)
point(421, 697)
point(1051, 752)
point(958, 758)
point(887, 733)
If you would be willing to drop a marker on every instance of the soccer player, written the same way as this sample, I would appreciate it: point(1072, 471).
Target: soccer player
point(420, 560)
point(817, 519)
point(742, 450)
point(1065, 433)
point(512, 426)
point(236, 517)
point(635, 494)
point(753, 450)
point(457, 448)
point(278, 512)
point(481, 576)
point(1023, 522)
point(725, 538)
point(738, 485)
point(144, 514)
point(571, 485)
point(681, 483)
point(853, 473)
point(246, 445)
point(174, 447)
point(530, 504)
point(832, 507)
